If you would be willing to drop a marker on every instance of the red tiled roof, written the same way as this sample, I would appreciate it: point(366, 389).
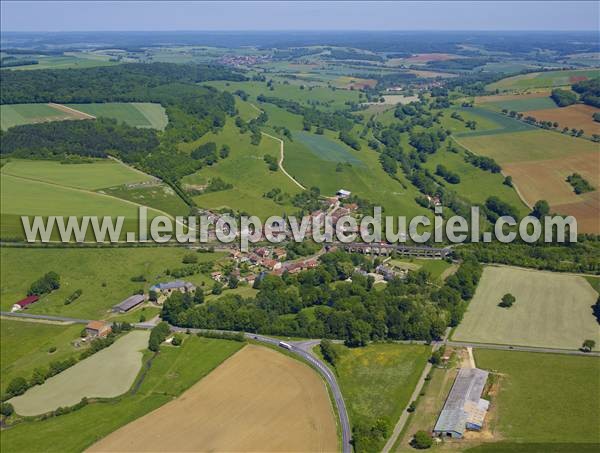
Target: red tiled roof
point(28, 301)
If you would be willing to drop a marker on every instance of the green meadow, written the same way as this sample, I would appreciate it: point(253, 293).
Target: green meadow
point(97, 175)
point(541, 79)
point(522, 105)
point(537, 144)
point(324, 98)
point(475, 184)
point(378, 380)
point(488, 123)
point(436, 268)
point(172, 372)
point(105, 374)
point(103, 274)
point(544, 399)
point(19, 114)
point(247, 160)
point(327, 149)
point(137, 114)
point(26, 346)
point(62, 62)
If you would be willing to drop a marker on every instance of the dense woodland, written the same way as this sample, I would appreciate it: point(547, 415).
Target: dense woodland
point(413, 308)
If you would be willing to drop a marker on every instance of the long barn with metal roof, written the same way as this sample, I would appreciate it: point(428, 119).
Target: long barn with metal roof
point(464, 408)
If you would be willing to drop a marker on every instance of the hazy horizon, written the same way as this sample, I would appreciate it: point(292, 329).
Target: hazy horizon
point(178, 16)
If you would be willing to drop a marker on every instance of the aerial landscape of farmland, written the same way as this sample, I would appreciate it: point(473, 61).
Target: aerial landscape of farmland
point(322, 226)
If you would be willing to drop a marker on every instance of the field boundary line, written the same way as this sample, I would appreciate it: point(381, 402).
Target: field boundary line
point(281, 156)
point(89, 192)
point(64, 108)
point(514, 185)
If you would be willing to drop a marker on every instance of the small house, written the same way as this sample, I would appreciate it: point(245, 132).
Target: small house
point(169, 287)
point(97, 329)
point(343, 193)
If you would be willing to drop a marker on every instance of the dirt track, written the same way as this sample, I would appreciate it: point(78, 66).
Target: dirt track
point(258, 400)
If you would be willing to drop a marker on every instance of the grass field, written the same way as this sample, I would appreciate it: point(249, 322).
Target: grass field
point(520, 104)
point(106, 374)
point(102, 274)
point(62, 62)
point(377, 380)
point(545, 398)
point(539, 162)
point(541, 79)
point(576, 116)
point(137, 114)
point(475, 184)
point(247, 160)
point(551, 310)
point(173, 371)
point(327, 149)
point(18, 114)
point(488, 123)
point(34, 187)
point(102, 173)
point(25, 346)
point(257, 400)
point(156, 195)
point(327, 98)
point(435, 267)
point(428, 407)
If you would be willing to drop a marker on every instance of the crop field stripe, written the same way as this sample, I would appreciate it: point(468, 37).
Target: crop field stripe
point(77, 113)
point(508, 125)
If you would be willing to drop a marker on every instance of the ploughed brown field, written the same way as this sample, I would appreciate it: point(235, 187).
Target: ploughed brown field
point(578, 116)
point(257, 400)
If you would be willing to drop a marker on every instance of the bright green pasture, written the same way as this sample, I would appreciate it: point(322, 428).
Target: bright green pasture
point(327, 149)
point(368, 180)
point(323, 97)
point(105, 374)
point(158, 196)
point(532, 145)
point(101, 173)
point(551, 310)
point(103, 274)
point(63, 62)
point(246, 170)
point(541, 79)
point(172, 372)
point(378, 380)
point(488, 123)
point(435, 267)
point(137, 114)
point(25, 197)
point(246, 110)
point(544, 399)
point(18, 114)
point(475, 184)
point(522, 105)
point(25, 346)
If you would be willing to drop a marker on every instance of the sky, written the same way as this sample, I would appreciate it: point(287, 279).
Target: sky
point(276, 15)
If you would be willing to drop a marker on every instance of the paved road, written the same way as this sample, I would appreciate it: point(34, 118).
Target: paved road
point(18, 314)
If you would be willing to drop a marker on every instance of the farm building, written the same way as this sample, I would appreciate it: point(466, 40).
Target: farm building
point(464, 408)
point(129, 303)
point(24, 303)
point(97, 329)
point(342, 193)
point(169, 287)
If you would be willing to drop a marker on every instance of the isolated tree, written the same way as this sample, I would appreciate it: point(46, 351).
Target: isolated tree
point(17, 386)
point(422, 440)
point(217, 288)
point(588, 345)
point(507, 300)
point(6, 409)
point(540, 209)
point(233, 282)
point(508, 181)
point(329, 352)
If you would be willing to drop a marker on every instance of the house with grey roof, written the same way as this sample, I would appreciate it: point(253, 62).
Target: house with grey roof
point(167, 288)
point(129, 303)
point(464, 408)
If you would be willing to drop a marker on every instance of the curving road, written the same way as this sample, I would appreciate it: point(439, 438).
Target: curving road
point(281, 156)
